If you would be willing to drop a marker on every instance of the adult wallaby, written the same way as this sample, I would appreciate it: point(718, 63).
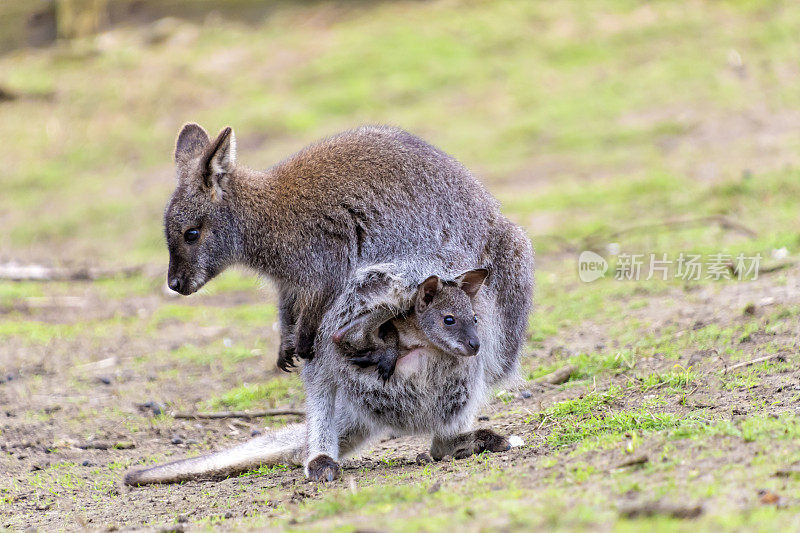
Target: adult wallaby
point(434, 391)
point(366, 196)
point(442, 316)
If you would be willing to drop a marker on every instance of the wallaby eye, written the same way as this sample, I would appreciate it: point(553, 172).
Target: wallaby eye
point(449, 320)
point(475, 318)
point(191, 235)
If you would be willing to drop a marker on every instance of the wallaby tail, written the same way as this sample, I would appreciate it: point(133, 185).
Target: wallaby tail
point(284, 446)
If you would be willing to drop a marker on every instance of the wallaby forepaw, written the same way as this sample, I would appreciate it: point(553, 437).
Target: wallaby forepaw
point(286, 359)
point(323, 468)
point(488, 440)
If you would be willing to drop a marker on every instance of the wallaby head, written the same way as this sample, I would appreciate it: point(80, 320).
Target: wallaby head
point(202, 235)
point(445, 314)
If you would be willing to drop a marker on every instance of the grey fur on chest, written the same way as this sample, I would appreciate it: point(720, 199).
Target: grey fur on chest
point(437, 396)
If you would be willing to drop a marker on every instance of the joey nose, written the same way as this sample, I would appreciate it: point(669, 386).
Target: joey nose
point(474, 346)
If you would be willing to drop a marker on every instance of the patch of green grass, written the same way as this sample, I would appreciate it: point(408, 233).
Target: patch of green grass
point(588, 365)
point(126, 287)
point(598, 429)
point(584, 405)
point(265, 470)
point(595, 419)
point(759, 427)
point(741, 380)
point(274, 392)
point(246, 315)
point(35, 332)
point(370, 499)
point(676, 380)
point(218, 352)
point(11, 291)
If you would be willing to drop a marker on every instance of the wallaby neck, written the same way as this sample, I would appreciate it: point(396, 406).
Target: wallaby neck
point(262, 218)
point(409, 332)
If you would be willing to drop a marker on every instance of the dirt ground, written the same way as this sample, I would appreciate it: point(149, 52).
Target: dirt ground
point(73, 418)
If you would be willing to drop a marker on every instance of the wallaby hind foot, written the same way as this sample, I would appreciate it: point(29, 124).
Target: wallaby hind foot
point(470, 443)
point(323, 468)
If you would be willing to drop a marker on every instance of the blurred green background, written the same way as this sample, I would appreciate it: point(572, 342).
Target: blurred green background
point(580, 116)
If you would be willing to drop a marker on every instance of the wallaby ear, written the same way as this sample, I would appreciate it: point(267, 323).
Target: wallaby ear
point(472, 281)
point(426, 292)
point(192, 140)
point(219, 160)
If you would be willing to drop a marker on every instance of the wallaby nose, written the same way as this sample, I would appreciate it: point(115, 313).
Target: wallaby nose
point(175, 284)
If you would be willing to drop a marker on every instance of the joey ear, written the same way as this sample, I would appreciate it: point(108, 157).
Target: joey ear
point(219, 159)
point(426, 292)
point(192, 140)
point(472, 281)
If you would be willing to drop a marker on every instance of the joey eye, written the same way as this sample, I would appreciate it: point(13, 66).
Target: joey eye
point(475, 318)
point(449, 320)
point(191, 235)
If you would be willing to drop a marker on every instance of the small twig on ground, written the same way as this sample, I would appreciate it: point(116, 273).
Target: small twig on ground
point(724, 362)
point(16, 272)
point(545, 386)
point(789, 471)
point(9, 95)
point(241, 414)
point(753, 362)
point(776, 267)
point(701, 406)
point(661, 508)
point(558, 377)
point(634, 460)
point(543, 421)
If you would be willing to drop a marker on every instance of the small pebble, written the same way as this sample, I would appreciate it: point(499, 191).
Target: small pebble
point(255, 433)
point(105, 380)
point(177, 440)
point(525, 394)
point(483, 418)
point(86, 463)
point(515, 441)
point(154, 407)
point(192, 441)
